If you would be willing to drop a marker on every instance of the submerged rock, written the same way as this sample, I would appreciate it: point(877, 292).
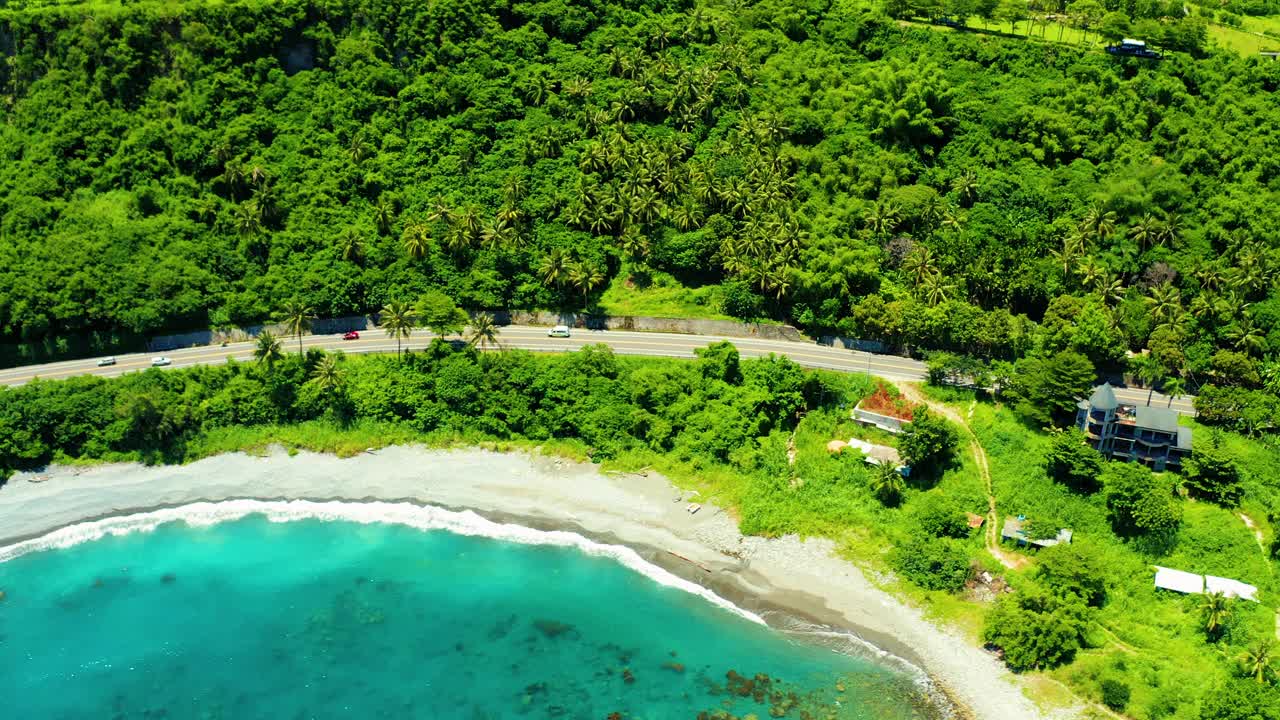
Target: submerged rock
point(552, 628)
point(168, 578)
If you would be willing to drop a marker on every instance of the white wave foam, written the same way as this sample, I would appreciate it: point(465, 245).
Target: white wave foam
point(422, 517)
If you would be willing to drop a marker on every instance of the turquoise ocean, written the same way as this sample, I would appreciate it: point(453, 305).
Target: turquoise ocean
point(237, 616)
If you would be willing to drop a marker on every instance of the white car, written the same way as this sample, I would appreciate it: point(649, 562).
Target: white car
point(106, 361)
point(558, 331)
point(160, 361)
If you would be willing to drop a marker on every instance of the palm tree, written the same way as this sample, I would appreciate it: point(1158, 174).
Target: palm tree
point(384, 213)
point(1148, 371)
point(937, 289)
point(1165, 302)
point(267, 351)
point(457, 238)
point(327, 375)
point(1169, 229)
point(1072, 248)
point(1173, 388)
point(586, 276)
point(887, 483)
point(634, 244)
point(919, 264)
point(351, 245)
point(1110, 288)
point(1210, 277)
point(357, 149)
point(1098, 222)
point(1259, 659)
point(1245, 336)
point(882, 218)
point(965, 186)
point(1090, 271)
point(1144, 231)
point(1214, 609)
point(248, 221)
point(484, 331)
point(416, 241)
point(398, 319)
point(553, 267)
point(297, 317)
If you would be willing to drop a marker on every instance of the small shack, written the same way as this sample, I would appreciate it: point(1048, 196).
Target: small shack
point(1014, 531)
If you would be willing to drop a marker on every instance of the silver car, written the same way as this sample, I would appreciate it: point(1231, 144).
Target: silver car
point(160, 361)
point(106, 361)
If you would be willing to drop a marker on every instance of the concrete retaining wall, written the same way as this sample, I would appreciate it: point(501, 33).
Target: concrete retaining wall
point(684, 326)
point(884, 422)
point(319, 326)
point(871, 346)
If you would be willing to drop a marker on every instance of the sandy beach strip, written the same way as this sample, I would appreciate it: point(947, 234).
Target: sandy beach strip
point(644, 512)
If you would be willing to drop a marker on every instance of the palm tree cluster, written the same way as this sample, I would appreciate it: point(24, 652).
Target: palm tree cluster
point(399, 320)
point(630, 190)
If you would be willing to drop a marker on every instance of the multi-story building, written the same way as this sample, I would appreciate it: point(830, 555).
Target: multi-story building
point(1149, 435)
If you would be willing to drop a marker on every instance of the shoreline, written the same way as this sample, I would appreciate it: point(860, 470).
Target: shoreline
point(801, 580)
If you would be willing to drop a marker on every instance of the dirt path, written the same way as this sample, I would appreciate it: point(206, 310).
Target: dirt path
point(1257, 533)
point(992, 535)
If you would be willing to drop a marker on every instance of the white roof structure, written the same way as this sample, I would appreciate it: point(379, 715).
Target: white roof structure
point(1179, 581)
point(876, 454)
point(1193, 584)
point(1230, 588)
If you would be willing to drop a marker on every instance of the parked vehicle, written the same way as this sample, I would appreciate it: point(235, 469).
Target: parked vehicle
point(558, 331)
point(106, 361)
point(160, 361)
point(351, 335)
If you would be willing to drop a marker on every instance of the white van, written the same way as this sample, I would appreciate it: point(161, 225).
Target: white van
point(558, 331)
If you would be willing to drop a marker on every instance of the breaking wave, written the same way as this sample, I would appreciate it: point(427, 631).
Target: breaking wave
point(421, 517)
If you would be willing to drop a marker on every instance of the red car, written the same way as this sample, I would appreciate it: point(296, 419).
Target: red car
point(351, 335)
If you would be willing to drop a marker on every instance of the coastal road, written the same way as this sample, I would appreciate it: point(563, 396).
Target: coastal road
point(623, 342)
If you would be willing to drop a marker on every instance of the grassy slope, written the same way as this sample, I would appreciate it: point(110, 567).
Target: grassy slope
point(661, 296)
point(1148, 638)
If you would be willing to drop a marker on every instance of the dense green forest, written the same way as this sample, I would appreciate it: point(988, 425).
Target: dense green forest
point(176, 165)
point(753, 435)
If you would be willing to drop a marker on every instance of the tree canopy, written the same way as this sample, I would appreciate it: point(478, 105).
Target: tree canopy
point(174, 166)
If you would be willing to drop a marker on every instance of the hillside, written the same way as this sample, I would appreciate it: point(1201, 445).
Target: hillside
point(170, 165)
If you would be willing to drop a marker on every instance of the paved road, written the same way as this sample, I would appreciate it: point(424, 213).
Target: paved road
point(535, 339)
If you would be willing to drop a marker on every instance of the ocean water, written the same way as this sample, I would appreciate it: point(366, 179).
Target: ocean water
point(379, 612)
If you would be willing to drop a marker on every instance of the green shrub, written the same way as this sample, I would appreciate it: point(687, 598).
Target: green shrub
point(1115, 694)
point(938, 515)
point(1035, 629)
point(932, 563)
